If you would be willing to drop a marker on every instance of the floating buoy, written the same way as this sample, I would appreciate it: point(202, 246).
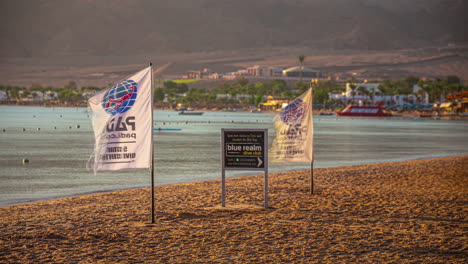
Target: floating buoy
point(25, 160)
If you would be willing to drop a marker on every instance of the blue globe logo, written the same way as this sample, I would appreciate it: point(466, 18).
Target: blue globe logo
point(120, 98)
point(292, 113)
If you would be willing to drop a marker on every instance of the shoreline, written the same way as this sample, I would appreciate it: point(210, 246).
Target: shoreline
point(405, 212)
point(235, 177)
point(317, 112)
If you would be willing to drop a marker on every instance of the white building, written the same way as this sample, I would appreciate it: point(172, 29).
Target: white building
point(264, 71)
point(3, 96)
point(49, 95)
point(32, 97)
point(306, 72)
point(373, 95)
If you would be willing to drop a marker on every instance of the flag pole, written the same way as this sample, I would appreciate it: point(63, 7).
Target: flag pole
point(312, 145)
point(152, 148)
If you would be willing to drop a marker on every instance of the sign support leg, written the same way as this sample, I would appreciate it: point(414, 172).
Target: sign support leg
point(152, 195)
point(266, 189)
point(223, 188)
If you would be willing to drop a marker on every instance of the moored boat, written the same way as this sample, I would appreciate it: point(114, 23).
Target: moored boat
point(188, 112)
point(425, 115)
point(370, 111)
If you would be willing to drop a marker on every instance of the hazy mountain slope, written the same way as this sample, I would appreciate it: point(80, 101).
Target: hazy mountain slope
point(31, 28)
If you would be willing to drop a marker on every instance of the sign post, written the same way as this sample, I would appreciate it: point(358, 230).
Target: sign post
point(244, 149)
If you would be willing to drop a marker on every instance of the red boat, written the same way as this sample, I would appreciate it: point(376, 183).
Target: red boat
point(376, 111)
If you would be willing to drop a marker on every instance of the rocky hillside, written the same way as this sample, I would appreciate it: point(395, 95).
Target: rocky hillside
point(38, 28)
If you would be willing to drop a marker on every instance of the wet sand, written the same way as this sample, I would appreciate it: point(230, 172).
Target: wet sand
point(403, 212)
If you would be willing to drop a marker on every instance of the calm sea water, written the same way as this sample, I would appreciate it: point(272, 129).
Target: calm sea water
point(58, 151)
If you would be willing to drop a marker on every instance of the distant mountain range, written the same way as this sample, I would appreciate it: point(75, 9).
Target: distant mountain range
point(39, 28)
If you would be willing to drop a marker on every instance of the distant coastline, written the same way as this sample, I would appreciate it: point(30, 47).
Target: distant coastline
point(315, 111)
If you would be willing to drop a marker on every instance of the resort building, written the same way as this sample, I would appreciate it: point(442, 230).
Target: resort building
point(49, 95)
point(274, 103)
point(3, 96)
point(256, 72)
point(88, 93)
point(306, 72)
point(458, 103)
point(32, 97)
point(199, 74)
point(264, 71)
point(361, 93)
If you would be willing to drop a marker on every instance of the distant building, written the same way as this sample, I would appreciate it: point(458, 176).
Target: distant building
point(372, 94)
point(49, 95)
point(459, 102)
point(241, 73)
point(228, 77)
point(32, 97)
point(264, 71)
point(306, 72)
point(254, 71)
point(274, 103)
point(214, 76)
point(3, 96)
point(88, 93)
point(194, 75)
point(199, 74)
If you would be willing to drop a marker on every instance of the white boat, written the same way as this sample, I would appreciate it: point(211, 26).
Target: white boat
point(190, 112)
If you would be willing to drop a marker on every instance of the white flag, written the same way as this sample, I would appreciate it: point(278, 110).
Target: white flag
point(122, 123)
point(294, 131)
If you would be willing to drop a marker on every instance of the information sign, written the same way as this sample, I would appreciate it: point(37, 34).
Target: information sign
point(244, 149)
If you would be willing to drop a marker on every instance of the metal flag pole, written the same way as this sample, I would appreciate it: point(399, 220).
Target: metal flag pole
point(152, 148)
point(312, 145)
point(312, 177)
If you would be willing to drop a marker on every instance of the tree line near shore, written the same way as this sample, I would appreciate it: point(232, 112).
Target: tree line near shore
point(243, 93)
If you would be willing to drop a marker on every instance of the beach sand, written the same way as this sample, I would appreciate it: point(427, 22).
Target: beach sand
point(402, 212)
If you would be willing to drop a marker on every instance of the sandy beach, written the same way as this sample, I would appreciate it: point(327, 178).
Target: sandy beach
point(403, 212)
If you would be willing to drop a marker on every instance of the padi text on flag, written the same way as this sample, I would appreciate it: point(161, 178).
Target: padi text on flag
point(294, 131)
point(122, 124)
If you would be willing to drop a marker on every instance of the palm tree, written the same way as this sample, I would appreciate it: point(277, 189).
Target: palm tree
point(372, 94)
point(419, 96)
point(352, 86)
point(436, 90)
point(301, 59)
point(363, 92)
point(382, 93)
